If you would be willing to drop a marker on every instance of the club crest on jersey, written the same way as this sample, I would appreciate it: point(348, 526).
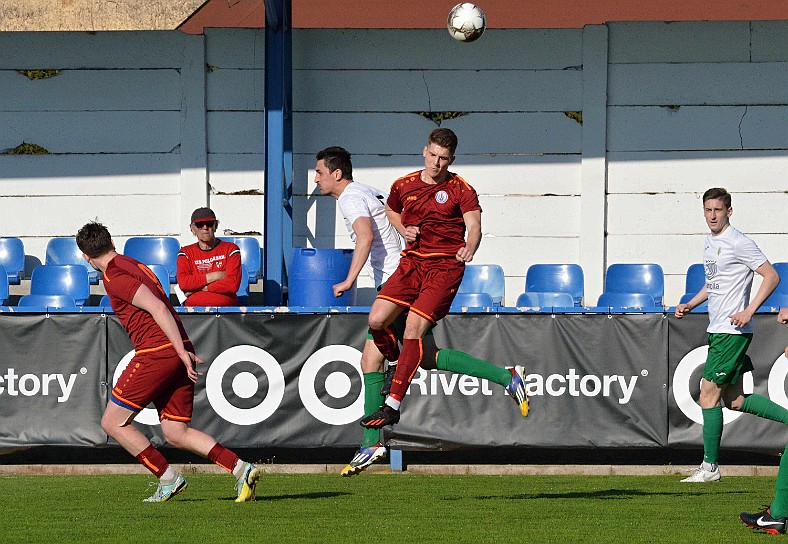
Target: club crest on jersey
point(441, 197)
point(711, 269)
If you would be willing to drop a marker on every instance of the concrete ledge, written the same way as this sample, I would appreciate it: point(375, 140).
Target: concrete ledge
point(496, 470)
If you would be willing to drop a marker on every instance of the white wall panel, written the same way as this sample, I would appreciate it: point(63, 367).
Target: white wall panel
point(683, 213)
point(242, 48)
point(91, 90)
point(93, 131)
point(696, 171)
point(235, 132)
point(401, 133)
point(80, 50)
point(437, 90)
point(23, 175)
point(392, 49)
point(233, 172)
point(646, 42)
point(698, 84)
point(239, 213)
point(642, 128)
point(233, 89)
point(768, 41)
point(59, 216)
point(557, 216)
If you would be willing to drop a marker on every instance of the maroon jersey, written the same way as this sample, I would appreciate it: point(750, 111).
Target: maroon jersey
point(195, 263)
point(436, 209)
point(122, 279)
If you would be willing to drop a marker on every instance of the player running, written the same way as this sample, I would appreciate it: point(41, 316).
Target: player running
point(730, 259)
point(431, 209)
point(161, 372)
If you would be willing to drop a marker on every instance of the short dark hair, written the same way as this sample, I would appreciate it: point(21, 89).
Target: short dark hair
point(444, 137)
point(337, 158)
point(94, 240)
point(718, 193)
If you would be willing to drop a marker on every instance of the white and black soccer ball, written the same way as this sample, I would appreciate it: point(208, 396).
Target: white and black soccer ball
point(466, 22)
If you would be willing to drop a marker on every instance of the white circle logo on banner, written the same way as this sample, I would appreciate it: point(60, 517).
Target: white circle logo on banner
point(681, 383)
point(777, 381)
point(148, 416)
point(245, 385)
point(337, 385)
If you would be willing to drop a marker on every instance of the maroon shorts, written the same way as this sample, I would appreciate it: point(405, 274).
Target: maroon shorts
point(425, 286)
point(157, 377)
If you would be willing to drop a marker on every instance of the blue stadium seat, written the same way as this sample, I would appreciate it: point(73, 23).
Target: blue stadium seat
point(484, 278)
point(626, 300)
point(3, 286)
point(163, 276)
point(250, 254)
point(471, 300)
point(779, 297)
point(66, 251)
point(12, 258)
point(696, 279)
point(155, 250)
point(775, 302)
point(702, 307)
point(556, 278)
point(47, 301)
point(539, 299)
point(105, 301)
point(61, 279)
point(647, 279)
point(243, 287)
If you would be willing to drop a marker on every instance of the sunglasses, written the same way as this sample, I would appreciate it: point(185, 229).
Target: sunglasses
point(201, 224)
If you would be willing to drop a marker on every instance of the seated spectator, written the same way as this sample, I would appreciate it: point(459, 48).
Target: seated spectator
point(209, 271)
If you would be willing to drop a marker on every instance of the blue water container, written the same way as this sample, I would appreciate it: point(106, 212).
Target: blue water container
point(313, 274)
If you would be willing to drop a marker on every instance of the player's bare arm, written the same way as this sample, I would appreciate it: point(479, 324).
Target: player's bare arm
point(362, 228)
point(145, 300)
point(687, 307)
point(409, 233)
point(770, 281)
point(782, 317)
point(473, 236)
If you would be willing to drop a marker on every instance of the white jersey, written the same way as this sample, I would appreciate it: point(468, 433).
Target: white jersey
point(359, 200)
point(730, 259)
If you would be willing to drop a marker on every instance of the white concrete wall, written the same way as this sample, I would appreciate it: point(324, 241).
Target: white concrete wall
point(144, 127)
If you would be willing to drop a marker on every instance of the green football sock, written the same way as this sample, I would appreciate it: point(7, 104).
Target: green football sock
point(462, 363)
point(712, 434)
point(763, 407)
point(779, 508)
point(373, 400)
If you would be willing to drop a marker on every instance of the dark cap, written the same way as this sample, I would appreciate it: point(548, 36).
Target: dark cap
point(203, 214)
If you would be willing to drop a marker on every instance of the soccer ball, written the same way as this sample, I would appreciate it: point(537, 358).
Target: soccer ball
point(466, 22)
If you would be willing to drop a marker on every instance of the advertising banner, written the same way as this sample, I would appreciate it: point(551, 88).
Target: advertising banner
point(688, 349)
point(594, 381)
point(51, 373)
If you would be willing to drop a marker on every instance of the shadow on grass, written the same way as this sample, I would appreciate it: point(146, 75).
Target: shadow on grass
point(604, 494)
point(296, 496)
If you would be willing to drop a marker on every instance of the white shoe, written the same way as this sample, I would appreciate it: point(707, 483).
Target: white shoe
point(701, 475)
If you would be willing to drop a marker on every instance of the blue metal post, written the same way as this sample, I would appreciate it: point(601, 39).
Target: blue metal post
point(278, 233)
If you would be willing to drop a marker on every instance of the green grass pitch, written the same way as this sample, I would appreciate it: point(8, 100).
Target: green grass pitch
point(325, 508)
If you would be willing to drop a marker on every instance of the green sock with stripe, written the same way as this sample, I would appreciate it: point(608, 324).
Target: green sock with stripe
point(462, 363)
point(712, 434)
point(763, 407)
point(373, 400)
